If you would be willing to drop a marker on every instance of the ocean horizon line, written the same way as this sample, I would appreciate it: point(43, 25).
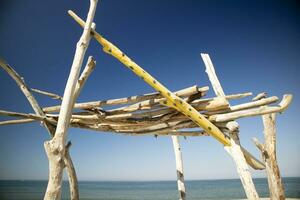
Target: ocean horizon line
point(166, 180)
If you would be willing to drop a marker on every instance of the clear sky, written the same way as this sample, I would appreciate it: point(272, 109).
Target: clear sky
point(254, 46)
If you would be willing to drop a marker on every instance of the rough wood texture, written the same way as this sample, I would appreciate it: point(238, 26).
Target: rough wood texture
point(234, 150)
point(276, 187)
point(145, 100)
point(73, 182)
point(236, 153)
point(172, 100)
point(55, 148)
point(179, 168)
point(283, 105)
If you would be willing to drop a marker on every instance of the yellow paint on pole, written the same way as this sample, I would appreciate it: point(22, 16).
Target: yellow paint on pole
point(171, 99)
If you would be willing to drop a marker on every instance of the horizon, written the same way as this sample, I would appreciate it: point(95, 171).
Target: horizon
point(171, 180)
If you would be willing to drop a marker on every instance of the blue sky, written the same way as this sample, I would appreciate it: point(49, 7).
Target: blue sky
point(254, 46)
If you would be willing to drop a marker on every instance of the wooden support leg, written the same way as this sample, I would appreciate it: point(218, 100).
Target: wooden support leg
point(55, 148)
point(235, 150)
point(179, 168)
point(274, 180)
point(73, 182)
point(236, 153)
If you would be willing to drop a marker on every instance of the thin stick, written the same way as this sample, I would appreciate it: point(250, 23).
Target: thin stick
point(23, 87)
point(51, 95)
point(24, 115)
point(16, 121)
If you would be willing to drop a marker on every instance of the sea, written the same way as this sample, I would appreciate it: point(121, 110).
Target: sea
point(145, 190)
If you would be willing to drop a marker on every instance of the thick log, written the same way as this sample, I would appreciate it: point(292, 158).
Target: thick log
point(55, 148)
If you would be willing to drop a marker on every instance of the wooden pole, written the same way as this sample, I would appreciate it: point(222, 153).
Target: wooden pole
point(55, 148)
point(171, 99)
point(179, 168)
point(238, 157)
point(275, 183)
point(234, 150)
point(268, 151)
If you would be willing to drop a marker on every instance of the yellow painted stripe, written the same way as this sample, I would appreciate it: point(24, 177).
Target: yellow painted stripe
point(171, 99)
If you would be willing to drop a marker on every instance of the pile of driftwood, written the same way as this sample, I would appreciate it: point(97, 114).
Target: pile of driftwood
point(146, 114)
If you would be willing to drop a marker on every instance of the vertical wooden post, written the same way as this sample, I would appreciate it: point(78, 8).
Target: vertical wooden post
point(235, 150)
point(179, 167)
point(55, 148)
point(275, 183)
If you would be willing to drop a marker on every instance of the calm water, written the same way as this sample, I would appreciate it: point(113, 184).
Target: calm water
point(163, 190)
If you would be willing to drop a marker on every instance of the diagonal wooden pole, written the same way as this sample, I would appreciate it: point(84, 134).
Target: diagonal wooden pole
point(235, 150)
point(172, 100)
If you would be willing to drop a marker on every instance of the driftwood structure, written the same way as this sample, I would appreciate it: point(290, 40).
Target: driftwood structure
point(163, 113)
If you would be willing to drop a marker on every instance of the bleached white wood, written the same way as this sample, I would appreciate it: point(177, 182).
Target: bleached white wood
point(234, 150)
point(276, 187)
point(144, 100)
point(242, 168)
point(283, 105)
point(55, 148)
point(179, 168)
point(260, 96)
point(49, 94)
point(26, 91)
point(210, 70)
point(73, 182)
